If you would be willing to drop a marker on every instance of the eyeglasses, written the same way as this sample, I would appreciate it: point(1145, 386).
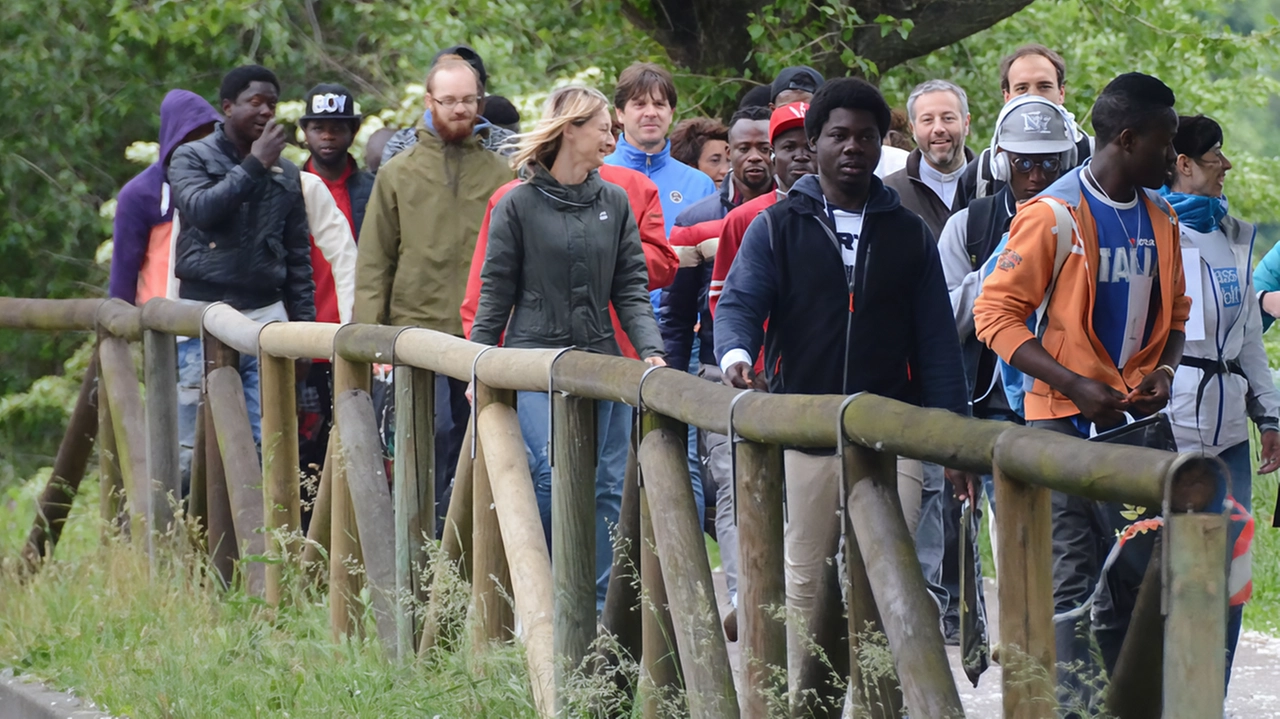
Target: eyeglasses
point(1024, 165)
point(448, 103)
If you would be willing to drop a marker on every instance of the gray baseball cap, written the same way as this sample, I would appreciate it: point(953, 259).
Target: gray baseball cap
point(1032, 125)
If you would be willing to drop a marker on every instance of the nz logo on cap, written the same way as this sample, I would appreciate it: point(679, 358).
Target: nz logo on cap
point(1036, 122)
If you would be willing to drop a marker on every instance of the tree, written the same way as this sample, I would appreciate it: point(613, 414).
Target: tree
point(717, 36)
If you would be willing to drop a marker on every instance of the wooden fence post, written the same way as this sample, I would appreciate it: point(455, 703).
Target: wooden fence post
point(243, 473)
point(873, 697)
point(371, 503)
point(120, 376)
point(68, 471)
point(490, 583)
point(762, 590)
point(455, 541)
point(906, 609)
point(621, 616)
point(1028, 666)
point(1138, 677)
point(573, 532)
point(344, 538)
point(660, 662)
point(221, 528)
point(521, 527)
point(197, 512)
point(321, 515)
point(160, 372)
point(110, 483)
point(686, 572)
point(282, 493)
point(1196, 622)
point(414, 495)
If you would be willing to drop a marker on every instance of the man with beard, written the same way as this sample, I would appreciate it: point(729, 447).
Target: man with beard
point(242, 235)
point(839, 241)
point(939, 115)
point(420, 230)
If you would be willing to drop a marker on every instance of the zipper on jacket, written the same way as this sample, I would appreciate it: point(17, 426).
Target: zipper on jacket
point(865, 251)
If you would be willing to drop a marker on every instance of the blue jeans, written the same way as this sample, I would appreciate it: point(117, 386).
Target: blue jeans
point(1240, 469)
point(190, 375)
point(613, 433)
point(931, 534)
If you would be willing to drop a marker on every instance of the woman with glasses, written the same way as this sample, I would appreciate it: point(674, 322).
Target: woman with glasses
point(1224, 379)
point(562, 246)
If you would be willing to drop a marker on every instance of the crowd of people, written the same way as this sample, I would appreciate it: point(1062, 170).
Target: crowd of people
point(820, 242)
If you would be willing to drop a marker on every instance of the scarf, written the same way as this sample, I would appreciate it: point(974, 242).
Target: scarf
point(1200, 213)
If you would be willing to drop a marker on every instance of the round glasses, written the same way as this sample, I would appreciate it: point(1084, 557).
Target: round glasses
point(1024, 165)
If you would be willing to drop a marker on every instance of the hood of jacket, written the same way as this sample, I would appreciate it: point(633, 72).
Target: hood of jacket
point(1199, 212)
point(567, 198)
point(880, 197)
point(638, 159)
point(182, 111)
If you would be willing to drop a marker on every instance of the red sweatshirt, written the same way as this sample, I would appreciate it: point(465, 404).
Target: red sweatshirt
point(731, 232)
point(645, 205)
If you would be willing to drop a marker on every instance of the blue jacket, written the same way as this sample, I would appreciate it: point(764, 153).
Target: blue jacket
point(679, 186)
point(1266, 278)
point(694, 238)
point(889, 331)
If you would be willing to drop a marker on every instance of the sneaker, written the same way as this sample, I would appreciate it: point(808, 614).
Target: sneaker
point(731, 625)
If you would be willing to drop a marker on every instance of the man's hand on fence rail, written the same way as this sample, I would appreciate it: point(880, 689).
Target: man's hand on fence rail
point(655, 361)
point(743, 376)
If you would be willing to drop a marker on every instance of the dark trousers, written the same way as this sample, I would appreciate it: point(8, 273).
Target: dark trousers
point(452, 411)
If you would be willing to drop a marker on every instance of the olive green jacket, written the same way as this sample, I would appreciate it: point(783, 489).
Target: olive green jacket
point(420, 231)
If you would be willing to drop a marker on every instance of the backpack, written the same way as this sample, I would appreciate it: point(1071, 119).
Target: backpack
point(1016, 384)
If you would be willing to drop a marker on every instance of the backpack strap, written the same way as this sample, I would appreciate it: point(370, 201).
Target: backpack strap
point(977, 243)
point(1065, 230)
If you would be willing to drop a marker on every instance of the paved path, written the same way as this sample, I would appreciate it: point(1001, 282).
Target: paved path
point(1255, 680)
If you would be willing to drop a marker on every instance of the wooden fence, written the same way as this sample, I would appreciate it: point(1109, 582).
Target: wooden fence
point(666, 617)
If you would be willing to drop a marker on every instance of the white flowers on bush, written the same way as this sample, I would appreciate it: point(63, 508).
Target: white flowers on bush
point(143, 153)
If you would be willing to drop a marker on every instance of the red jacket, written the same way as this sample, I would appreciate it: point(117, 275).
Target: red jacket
point(731, 232)
point(645, 205)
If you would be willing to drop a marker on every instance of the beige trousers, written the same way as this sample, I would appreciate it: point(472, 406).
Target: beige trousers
point(812, 533)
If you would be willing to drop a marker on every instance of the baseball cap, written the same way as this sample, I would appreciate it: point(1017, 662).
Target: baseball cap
point(328, 101)
point(468, 53)
point(800, 77)
point(1032, 125)
point(787, 117)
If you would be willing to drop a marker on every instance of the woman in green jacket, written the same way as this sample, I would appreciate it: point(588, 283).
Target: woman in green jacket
point(563, 245)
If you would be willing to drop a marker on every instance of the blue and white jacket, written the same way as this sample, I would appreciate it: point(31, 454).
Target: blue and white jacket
point(679, 186)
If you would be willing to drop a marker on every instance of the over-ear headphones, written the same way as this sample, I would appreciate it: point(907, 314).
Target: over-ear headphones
point(999, 162)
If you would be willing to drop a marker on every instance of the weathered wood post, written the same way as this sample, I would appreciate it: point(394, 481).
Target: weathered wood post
point(573, 532)
point(414, 494)
point(221, 532)
point(242, 471)
point(1138, 677)
point(762, 591)
point(198, 496)
point(874, 697)
point(110, 483)
point(371, 503)
point(622, 612)
point(282, 493)
point(490, 584)
point(455, 542)
point(1025, 564)
point(898, 585)
point(1196, 614)
point(687, 574)
point(660, 663)
point(120, 377)
point(160, 372)
point(321, 516)
point(68, 471)
point(521, 527)
point(344, 540)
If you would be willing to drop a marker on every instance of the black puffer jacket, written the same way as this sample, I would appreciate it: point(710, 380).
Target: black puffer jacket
point(557, 256)
point(243, 235)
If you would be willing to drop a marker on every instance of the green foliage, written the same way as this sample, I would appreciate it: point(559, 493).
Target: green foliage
point(1211, 68)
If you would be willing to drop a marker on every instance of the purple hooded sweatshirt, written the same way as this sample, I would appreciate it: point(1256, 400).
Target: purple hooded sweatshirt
point(144, 202)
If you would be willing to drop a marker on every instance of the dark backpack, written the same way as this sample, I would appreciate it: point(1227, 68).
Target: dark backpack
point(982, 236)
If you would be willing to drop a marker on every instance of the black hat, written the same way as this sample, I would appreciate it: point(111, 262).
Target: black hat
point(328, 101)
point(466, 52)
point(800, 77)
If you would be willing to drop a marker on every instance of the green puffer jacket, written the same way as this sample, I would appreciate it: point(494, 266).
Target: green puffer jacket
point(420, 231)
point(557, 256)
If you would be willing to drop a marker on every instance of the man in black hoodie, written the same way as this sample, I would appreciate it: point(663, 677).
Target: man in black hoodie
point(856, 300)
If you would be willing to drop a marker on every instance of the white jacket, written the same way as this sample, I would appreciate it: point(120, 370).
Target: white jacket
point(331, 233)
point(1232, 333)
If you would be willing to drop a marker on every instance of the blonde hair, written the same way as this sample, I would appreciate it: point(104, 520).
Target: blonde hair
point(571, 105)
